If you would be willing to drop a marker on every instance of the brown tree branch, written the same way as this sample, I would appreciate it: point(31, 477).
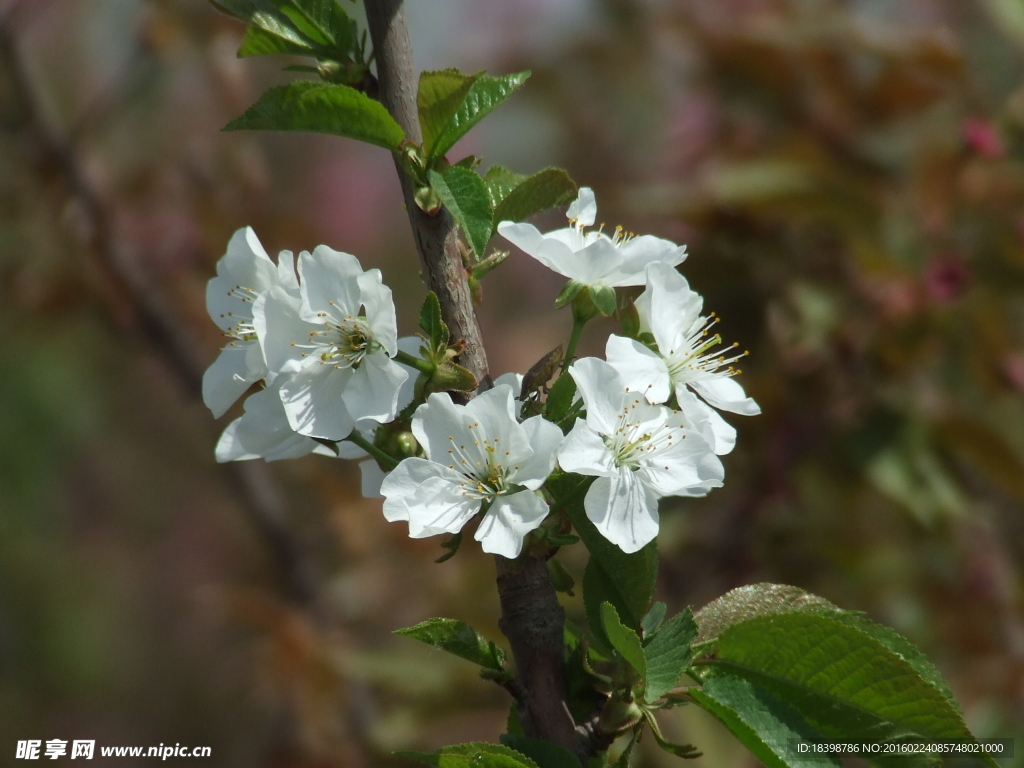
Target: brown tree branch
point(154, 319)
point(532, 618)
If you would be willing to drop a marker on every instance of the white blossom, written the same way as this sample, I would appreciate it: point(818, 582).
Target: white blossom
point(478, 457)
point(592, 258)
point(638, 452)
point(244, 273)
point(332, 344)
point(688, 358)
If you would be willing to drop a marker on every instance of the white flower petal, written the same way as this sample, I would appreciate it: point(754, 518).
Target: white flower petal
point(228, 378)
point(584, 208)
point(670, 308)
point(404, 480)
point(372, 390)
point(329, 283)
point(380, 310)
point(438, 506)
point(263, 432)
point(601, 388)
point(509, 519)
point(641, 369)
point(623, 509)
point(434, 425)
point(280, 328)
point(638, 252)
point(312, 398)
point(545, 439)
point(246, 262)
point(688, 468)
point(706, 420)
point(585, 453)
point(726, 393)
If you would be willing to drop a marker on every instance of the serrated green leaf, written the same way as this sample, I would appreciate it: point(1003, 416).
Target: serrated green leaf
point(451, 103)
point(433, 326)
point(763, 724)
point(669, 652)
point(458, 638)
point(465, 196)
point(544, 753)
point(439, 97)
point(473, 755)
point(623, 639)
point(543, 190)
point(321, 108)
point(751, 601)
point(650, 623)
point(324, 21)
point(500, 182)
point(258, 41)
point(842, 673)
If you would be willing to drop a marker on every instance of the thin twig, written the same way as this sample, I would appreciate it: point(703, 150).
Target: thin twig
point(532, 618)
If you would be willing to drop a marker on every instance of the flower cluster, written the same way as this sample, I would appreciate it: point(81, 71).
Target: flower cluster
point(320, 334)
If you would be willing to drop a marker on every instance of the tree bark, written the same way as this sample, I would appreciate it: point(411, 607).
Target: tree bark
point(532, 618)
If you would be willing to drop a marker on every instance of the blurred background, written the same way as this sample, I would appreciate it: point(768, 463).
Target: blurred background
point(849, 178)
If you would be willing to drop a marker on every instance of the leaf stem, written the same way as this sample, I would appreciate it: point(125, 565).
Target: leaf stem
point(387, 461)
point(421, 365)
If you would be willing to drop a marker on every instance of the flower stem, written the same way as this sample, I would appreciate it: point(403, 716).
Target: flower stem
point(386, 461)
point(574, 338)
point(421, 365)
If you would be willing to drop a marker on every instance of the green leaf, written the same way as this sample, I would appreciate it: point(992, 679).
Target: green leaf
point(500, 181)
point(458, 638)
point(755, 600)
point(845, 676)
point(669, 652)
point(623, 639)
point(465, 196)
point(433, 326)
point(318, 28)
point(451, 103)
point(321, 108)
point(544, 753)
point(543, 190)
point(259, 41)
point(650, 623)
point(560, 398)
point(762, 723)
point(474, 755)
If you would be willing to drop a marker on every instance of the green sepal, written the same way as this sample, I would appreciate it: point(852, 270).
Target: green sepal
point(452, 545)
point(321, 108)
point(569, 292)
point(604, 299)
point(629, 319)
point(685, 751)
point(458, 638)
point(464, 195)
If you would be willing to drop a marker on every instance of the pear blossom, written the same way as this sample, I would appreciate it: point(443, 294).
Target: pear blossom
point(332, 343)
point(478, 458)
point(244, 273)
point(639, 452)
point(687, 360)
point(592, 258)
